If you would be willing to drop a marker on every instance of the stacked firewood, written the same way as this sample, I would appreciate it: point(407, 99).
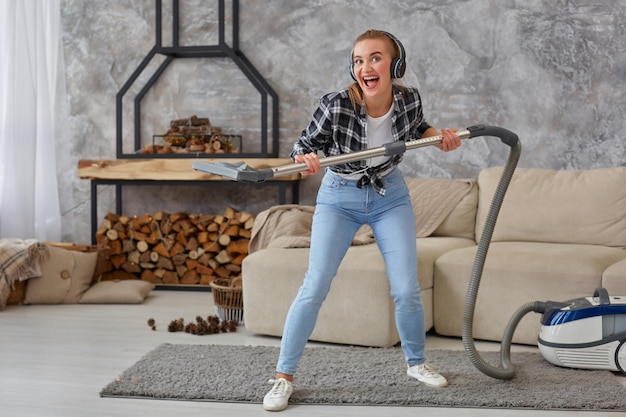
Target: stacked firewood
point(194, 135)
point(175, 248)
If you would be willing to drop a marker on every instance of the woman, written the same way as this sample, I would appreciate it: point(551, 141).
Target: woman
point(372, 111)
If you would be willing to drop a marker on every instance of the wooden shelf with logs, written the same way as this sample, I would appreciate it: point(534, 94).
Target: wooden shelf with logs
point(164, 171)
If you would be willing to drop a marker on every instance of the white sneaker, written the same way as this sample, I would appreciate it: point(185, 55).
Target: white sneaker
point(278, 397)
point(428, 375)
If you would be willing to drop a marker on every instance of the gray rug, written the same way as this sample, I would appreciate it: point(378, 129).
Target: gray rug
point(361, 376)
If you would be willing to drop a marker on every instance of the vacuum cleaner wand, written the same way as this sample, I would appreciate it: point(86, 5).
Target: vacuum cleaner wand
point(242, 172)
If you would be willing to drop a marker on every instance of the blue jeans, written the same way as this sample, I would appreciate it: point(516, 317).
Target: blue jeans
point(340, 211)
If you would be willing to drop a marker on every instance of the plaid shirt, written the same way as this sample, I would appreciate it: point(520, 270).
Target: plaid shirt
point(337, 129)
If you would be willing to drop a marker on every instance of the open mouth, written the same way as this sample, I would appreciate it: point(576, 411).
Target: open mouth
point(370, 81)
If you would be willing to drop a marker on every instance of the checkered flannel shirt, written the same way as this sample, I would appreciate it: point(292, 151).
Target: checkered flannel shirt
point(337, 129)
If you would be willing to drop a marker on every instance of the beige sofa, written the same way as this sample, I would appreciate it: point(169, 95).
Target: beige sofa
point(560, 234)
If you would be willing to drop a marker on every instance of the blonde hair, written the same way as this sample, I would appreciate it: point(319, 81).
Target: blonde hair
point(354, 90)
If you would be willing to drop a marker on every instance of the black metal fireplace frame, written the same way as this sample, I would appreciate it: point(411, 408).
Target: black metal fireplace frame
point(221, 50)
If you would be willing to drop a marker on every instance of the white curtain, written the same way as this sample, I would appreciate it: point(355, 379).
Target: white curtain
point(31, 67)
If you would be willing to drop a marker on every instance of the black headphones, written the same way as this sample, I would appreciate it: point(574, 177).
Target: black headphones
point(398, 65)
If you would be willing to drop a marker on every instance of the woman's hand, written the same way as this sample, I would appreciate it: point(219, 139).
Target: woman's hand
point(311, 160)
point(450, 141)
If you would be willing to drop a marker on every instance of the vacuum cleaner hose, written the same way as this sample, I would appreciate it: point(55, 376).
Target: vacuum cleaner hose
point(506, 370)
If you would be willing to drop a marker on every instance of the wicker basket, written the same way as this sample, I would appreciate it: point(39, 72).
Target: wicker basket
point(228, 299)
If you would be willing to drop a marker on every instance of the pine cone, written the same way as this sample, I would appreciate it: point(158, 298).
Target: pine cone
point(232, 326)
point(173, 326)
point(176, 325)
point(152, 323)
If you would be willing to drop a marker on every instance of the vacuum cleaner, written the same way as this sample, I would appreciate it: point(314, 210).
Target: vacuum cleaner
point(585, 333)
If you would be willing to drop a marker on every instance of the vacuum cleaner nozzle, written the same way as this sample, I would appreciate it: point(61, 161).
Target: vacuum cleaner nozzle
point(238, 171)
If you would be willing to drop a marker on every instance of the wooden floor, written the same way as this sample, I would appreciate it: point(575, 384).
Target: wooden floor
point(54, 360)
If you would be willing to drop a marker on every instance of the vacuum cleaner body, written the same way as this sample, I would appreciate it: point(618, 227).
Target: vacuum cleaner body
point(585, 333)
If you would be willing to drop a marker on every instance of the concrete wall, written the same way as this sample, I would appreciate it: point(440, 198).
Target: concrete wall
point(552, 71)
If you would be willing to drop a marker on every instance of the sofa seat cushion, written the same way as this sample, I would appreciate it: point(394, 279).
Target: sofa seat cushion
point(431, 248)
point(515, 273)
point(358, 309)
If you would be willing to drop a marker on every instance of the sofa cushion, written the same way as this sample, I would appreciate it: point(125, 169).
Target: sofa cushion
point(560, 206)
point(461, 222)
point(515, 273)
point(443, 207)
point(65, 276)
point(128, 291)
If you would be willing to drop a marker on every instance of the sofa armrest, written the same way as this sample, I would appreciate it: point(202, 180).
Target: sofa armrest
point(614, 278)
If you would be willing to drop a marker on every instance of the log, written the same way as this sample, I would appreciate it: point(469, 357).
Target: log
point(176, 249)
point(239, 259)
point(207, 279)
point(179, 259)
point(230, 213)
point(181, 270)
point(244, 217)
point(147, 275)
point(128, 245)
point(212, 247)
point(161, 250)
point(112, 217)
point(238, 246)
point(232, 230)
point(115, 247)
point(118, 260)
point(117, 274)
point(190, 278)
point(204, 270)
point(142, 246)
point(170, 277)
point(134, 256)
point(203, 237)
point(192, 244)
point(131, 267)
point(223, 240)
point(223, 257)
point(165, 263)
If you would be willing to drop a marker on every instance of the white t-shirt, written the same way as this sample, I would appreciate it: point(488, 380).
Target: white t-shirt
point(379, 133)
